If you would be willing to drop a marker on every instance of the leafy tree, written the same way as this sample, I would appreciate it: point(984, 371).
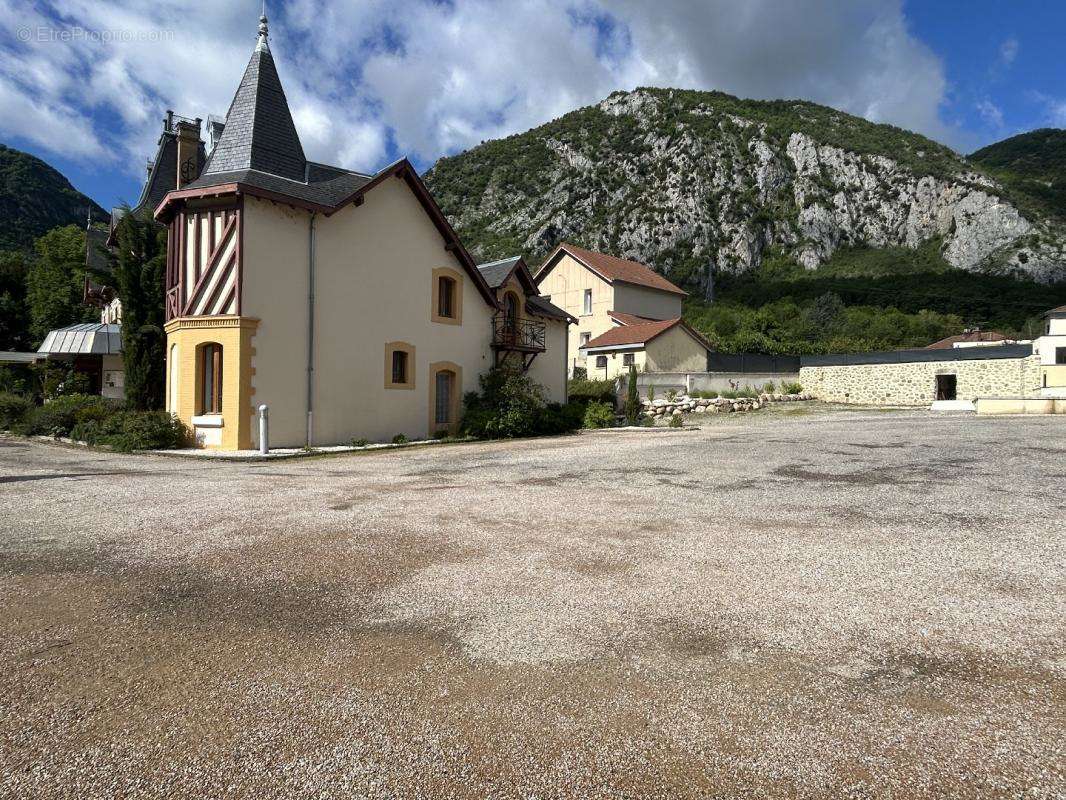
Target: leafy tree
point(139, 274)
point(632, 400)
point(824, 314)
point(14, 315)
point(54, 282)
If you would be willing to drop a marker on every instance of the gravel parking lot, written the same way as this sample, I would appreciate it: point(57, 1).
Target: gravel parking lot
point(795, 603)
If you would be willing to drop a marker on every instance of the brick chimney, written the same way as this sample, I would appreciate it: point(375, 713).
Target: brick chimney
point(188, 151)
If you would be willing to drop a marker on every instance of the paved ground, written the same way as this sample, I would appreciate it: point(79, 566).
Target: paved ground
point(780, 604)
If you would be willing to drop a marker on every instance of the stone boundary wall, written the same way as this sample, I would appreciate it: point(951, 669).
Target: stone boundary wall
point(704, 381)
point(914, 383)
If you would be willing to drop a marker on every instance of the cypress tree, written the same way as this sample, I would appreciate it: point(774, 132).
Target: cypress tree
point(632, 400)
point(139, 273)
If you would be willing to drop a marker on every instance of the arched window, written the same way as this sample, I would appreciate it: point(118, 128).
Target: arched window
point(511, 309)
point(210, 378)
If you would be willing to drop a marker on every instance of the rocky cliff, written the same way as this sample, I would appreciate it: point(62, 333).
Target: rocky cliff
point(701, 183)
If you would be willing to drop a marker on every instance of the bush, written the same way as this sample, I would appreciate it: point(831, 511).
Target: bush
point(705, 394)
point(556, 418)
point(791, 387)
point(651, 391)
point(508, 405)
point(598, 415)
point(585, 391)
point(13, 409)
point(399, 438)
point(133, 430)
point(769, 387)
point(59, 416)
point(360, 442)
point(675, 421)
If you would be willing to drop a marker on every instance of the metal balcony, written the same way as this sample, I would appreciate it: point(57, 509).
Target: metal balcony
point(523, 337)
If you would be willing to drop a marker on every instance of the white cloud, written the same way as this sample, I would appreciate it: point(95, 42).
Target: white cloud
point(990, 113)
point(1008, 51)
point(432, 77)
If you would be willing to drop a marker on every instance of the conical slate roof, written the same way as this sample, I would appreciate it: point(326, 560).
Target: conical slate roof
point(259, 132)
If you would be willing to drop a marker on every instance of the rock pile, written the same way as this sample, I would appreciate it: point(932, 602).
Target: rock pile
point(683, 404)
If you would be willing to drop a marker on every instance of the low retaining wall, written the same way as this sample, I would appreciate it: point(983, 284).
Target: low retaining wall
point(913, 383)
point(1020, 405)
point(705, 381)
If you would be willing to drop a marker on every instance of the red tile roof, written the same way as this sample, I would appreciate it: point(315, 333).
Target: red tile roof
point(1059, 310)
point(968, 336)
point(629, 319)
point(614, 269)
point(641, 333)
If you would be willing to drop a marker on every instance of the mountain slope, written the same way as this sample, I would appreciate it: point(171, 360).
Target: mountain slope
point(702, 183)
point(34, 198)
point(1032, 166)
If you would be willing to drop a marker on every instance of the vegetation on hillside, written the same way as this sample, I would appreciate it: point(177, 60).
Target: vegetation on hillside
point(1032, 166)
point(35, 198)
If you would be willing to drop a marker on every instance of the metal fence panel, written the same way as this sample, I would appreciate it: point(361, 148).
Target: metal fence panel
point(917, 356)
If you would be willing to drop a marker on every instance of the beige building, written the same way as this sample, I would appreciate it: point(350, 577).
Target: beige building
point(343, 301)
point(1051, 348)
point(606, 294)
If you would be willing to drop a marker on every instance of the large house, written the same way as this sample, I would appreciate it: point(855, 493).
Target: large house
point(342, 300)
point(626, 314)
point(1051, 348)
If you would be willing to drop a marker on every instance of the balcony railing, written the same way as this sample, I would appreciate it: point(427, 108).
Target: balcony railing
point(522, 334)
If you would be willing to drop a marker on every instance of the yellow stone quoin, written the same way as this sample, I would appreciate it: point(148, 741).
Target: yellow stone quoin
point(186, 338)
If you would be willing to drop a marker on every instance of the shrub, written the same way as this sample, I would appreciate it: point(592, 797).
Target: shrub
point(585, 391)
point(509, 404)
point(443, 434)
point(651, 391)
point(728, 394)
point(13, 409)
point(399, 439)
point(675, 421)
point(598, 415)
point(705, 394)
point(134, 430)
point(632, 400)
point(59, 416)
point(360, 442)
point(671, 395)
point(769, 387)
point(555, 418)
point(791, 387)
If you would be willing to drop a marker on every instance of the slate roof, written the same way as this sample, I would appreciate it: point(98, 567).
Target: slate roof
point(970, 336)
point(328, 189)
point(496, 272)
point(536, 304)
point(612, 269)
point(259, 133)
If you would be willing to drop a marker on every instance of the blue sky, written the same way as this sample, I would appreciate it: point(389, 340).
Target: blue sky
point(84, 84)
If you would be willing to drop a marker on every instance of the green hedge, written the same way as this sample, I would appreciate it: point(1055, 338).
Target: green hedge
point(585, 391)
point(511, 405)
point(134, 430)
point(59, 416)
point(13, 409)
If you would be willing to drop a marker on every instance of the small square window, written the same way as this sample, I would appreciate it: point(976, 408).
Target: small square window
point(399, 366)
point(627, 360)
point(601, 362)
point(1060, 355)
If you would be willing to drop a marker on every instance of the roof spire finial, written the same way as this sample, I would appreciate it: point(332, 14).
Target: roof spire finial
point(262, 43)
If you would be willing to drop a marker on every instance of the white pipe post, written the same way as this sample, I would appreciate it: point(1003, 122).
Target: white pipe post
point(264, 439)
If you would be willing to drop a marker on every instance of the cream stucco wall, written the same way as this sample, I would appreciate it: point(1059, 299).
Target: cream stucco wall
point(549, 369)
point(373, 284)
point(645, 302)
point(914, 383)
point(565, 285)
point(1053, 375)
point(675, 351)
point(616, 363)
